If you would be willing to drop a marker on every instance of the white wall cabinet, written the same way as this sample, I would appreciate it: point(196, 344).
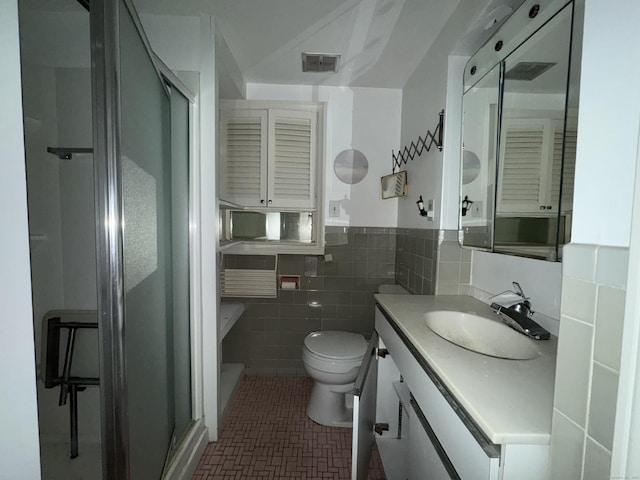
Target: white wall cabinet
point(269, 157)
point(530, 166)
point(436, 439)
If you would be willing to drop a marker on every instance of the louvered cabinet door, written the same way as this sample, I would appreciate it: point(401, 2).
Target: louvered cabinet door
point(564, 168)
point(525, 167)
point(292, 159)
point(243, 155)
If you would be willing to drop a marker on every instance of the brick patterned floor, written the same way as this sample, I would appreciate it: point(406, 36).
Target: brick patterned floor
point(267, 435)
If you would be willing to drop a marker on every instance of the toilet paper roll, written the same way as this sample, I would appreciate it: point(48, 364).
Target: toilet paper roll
point(288, 285)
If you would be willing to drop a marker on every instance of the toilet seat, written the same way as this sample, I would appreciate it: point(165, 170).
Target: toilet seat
point(336, 346)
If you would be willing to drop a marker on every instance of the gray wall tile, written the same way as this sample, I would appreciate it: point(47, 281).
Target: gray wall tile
point(602, 408)
point(336, 295)
point(573, 369)
point(567, 452)
point(597, 462)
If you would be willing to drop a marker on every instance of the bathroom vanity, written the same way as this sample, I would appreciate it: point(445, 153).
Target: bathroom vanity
point(451, 412)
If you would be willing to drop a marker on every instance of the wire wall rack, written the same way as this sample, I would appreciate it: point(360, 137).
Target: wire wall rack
point(423, 143)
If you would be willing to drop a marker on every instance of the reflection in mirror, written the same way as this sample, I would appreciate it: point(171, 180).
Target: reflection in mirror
point(295, 227)
point(470, 166)
point(531, 217)
point(480, 124)
point(394, 185)
point(516, 120)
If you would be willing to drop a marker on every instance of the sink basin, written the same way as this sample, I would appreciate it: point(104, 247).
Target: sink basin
point(481, 334)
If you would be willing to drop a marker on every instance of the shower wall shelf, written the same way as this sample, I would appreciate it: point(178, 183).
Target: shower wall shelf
point(66, 153)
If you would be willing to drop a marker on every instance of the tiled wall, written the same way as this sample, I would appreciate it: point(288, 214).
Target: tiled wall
point(417, 260)
point(432, 261)
point(454, 265)
point(337, 294)
point(588, 365)
point(334, 295)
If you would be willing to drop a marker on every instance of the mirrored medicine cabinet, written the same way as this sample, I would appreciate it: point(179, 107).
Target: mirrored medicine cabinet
point(519, 136)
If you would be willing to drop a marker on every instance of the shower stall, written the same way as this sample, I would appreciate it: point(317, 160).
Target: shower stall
point(108, 135)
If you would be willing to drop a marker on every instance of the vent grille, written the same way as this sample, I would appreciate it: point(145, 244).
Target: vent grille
point(320, 62)
point(527, 70)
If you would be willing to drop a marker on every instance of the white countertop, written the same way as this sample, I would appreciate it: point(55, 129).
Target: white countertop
point(511, 401)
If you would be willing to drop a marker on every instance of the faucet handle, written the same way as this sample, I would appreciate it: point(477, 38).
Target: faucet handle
point(518, 289)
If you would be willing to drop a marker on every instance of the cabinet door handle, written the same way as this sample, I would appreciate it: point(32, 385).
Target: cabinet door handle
point(382, 352)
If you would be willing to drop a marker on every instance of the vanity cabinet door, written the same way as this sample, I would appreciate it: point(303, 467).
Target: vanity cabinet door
point(364, 411)
point(427, 458)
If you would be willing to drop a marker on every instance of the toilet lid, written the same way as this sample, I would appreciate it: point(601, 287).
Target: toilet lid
point(336, 345)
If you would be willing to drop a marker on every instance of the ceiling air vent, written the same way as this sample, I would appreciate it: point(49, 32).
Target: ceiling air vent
point(527, 70)
point(320, 62)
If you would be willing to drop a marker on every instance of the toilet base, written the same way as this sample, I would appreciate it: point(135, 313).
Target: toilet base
point(328, 405)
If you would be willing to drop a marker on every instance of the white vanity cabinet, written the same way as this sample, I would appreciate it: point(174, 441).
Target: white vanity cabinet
point(439, 439)
point(269, 154)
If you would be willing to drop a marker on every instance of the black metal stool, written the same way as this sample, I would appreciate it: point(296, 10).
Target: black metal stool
point(69, 385)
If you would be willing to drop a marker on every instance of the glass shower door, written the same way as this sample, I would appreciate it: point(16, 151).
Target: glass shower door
point(145, 113)
point(143, 279)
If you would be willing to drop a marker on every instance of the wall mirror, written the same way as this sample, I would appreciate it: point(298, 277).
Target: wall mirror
point(394, 185)
point(519, 124)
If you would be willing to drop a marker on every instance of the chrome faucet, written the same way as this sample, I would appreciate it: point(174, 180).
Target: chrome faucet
point(515, 309)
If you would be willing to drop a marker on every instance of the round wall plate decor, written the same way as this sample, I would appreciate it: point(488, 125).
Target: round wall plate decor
point(351, 166)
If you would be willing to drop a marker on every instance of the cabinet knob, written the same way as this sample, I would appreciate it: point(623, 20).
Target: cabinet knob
point(549, 207)
point(542, 207)
point(262, 201)
point(270, 202)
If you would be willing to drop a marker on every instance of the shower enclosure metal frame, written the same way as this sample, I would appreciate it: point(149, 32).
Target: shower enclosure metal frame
point(107, 128)
point(108, 190)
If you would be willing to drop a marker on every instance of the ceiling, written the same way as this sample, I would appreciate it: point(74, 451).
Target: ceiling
point(380, 42)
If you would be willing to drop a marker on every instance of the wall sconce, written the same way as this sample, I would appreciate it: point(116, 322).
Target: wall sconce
point(466, 204)
point(420, 204)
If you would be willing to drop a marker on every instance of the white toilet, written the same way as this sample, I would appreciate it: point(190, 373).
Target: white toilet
point(332, 359)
